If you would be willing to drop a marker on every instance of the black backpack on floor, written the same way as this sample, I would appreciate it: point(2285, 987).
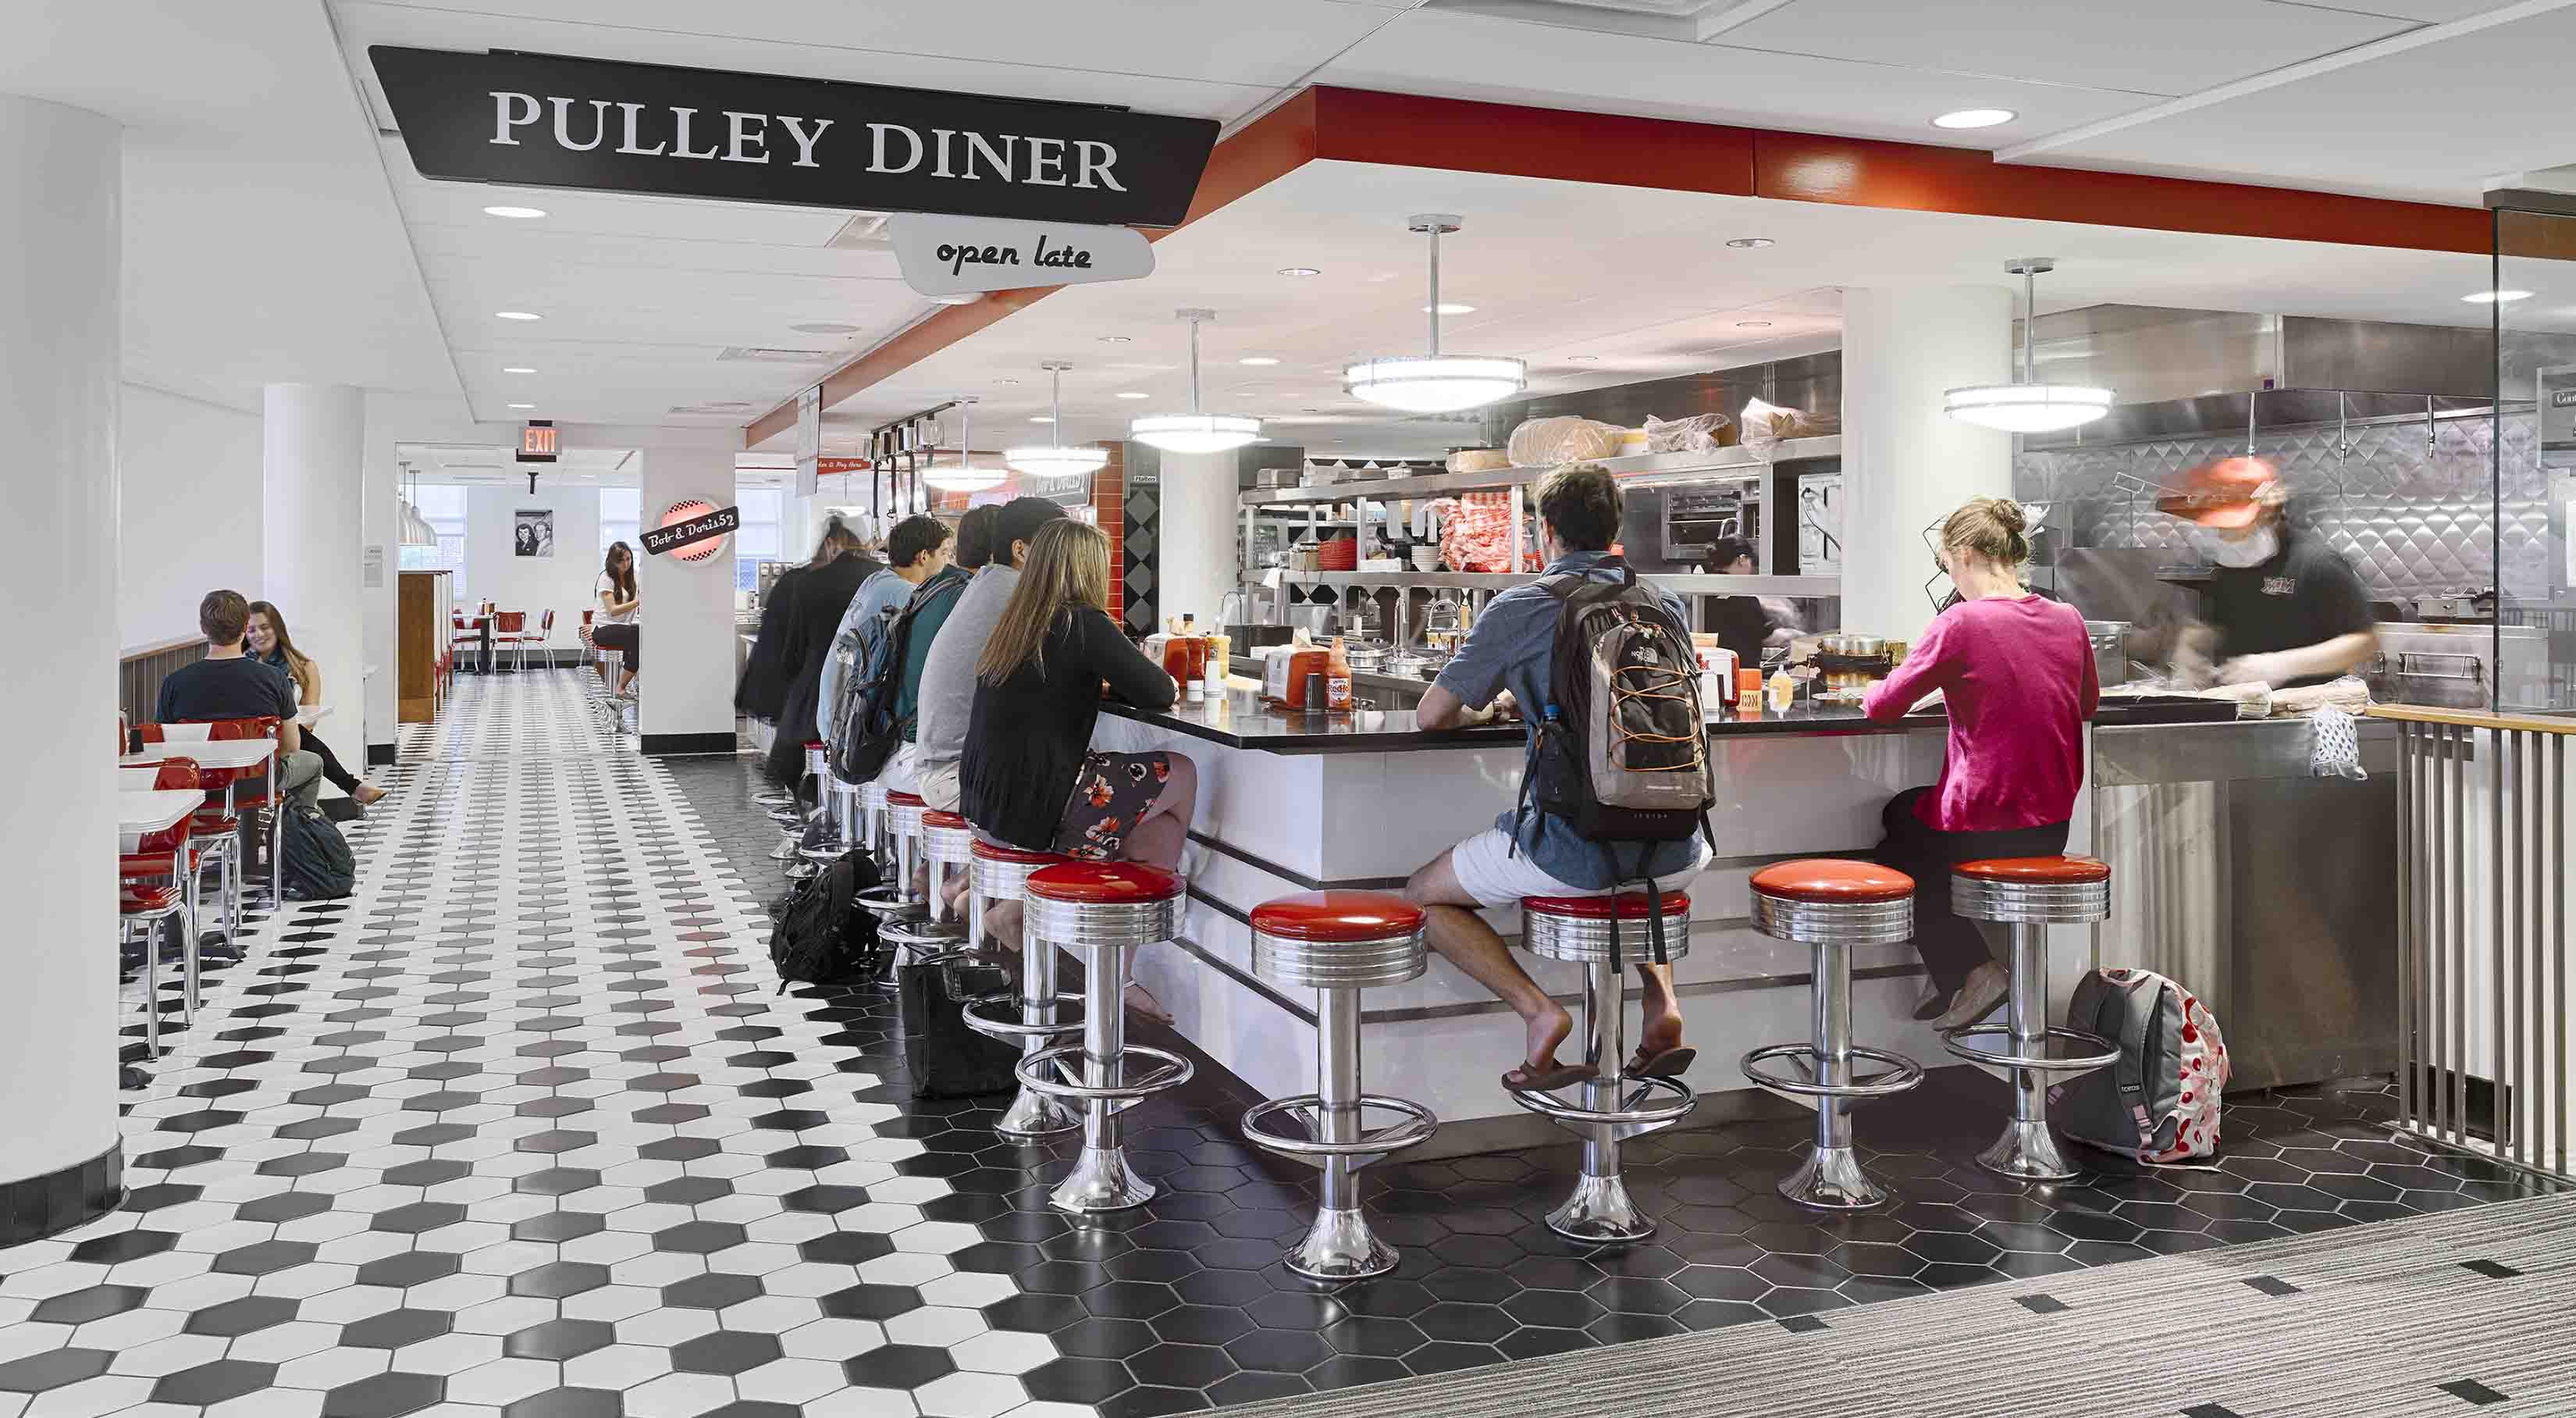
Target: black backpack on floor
point(313, 856)
point(820, 937)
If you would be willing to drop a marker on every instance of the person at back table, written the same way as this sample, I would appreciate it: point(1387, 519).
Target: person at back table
point(1509, 657)
point(269, 643)
point(2015, 671)
point(228, 684)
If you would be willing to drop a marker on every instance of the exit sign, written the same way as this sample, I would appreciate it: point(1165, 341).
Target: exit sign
point(537, 442)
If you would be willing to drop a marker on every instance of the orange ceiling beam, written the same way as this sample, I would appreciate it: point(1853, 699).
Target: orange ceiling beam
point(1516, 140)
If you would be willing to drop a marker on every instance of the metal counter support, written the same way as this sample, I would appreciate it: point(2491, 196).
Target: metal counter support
point(2483, 950)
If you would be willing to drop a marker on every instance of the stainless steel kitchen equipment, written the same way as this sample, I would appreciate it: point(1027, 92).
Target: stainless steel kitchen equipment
point(2110, 650)
point(2454, 666)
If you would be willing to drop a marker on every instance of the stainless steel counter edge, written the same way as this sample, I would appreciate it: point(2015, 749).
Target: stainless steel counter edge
point(1389, 730)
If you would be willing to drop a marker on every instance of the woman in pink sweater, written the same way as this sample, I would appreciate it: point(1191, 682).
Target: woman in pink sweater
point(2016, 673)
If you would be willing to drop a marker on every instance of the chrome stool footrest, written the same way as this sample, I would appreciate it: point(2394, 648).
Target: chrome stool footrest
point(1902, 1073)
point(890, 906)
point(2082, 1053)
point(1067, 1060)
point(1068, 1011)
point(1633, 1117)
point(1415, 1128)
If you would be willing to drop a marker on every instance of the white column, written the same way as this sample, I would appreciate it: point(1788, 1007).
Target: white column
point(685, 690)
point(379, 636)
point(1194, 535)
point(1906, 464)
point(59, 243)
point(313, 440)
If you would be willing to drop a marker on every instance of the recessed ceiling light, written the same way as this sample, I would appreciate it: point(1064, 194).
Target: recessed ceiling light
point(520, 214)
point(523, 406)
point(1040, 418)
point(1114, 340)
point(516, 315)
point(1258, 360)
point(1752, 324)
point(1583, 359)
point(825, 327)
point(516, 369)
point(2496, 297)
point(1006, 381)
point(1133, 394)
point(1751, 243)
point(1299, 271)
point(1451, 307)
point(961, 298)
point(1974, 118)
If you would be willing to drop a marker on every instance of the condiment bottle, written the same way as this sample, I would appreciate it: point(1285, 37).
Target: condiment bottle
point(1337, 679)
point(1782, 691)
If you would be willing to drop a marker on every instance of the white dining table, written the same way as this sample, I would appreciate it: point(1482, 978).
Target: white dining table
point(151, 810)
point(205, 753)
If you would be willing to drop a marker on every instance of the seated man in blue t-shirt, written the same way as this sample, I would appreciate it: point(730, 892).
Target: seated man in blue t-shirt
point(1507, 658)
point(228, 684)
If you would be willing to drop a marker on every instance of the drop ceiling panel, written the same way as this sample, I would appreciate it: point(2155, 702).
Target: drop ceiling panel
point(2427, 123)
point(1460, 55)
point(2172, 47)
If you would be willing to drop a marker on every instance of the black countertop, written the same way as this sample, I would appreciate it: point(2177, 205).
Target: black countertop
point(1385, 730)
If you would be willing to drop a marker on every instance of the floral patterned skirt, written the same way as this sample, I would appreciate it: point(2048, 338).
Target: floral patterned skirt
point(1112, 793)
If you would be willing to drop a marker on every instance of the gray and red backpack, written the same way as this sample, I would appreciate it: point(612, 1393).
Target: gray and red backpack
point(2159, 1102)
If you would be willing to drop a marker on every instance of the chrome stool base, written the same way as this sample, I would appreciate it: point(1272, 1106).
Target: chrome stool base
point(2026, 1151)
point(1031, 1114)
point(1831, 1179)
point(1034, 1115)
point(1339, 1246)
point(1600, 1212)
point(1101, 1181)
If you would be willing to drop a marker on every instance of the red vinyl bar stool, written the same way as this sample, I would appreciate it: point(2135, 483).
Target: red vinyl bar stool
point(2030, 894)
point(895, 900)
point(946, 844)
point(1102, 909)
point(1337, 943)
point(154, 871)
point(1580, 929)
point(1038, 1015)
point(1833, 905)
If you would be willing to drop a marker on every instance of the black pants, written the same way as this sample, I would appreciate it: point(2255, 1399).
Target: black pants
point(1949, 944)
point(340, 776)
point(621, 638)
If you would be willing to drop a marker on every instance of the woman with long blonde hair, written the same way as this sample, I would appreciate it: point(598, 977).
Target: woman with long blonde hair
point(1029, 776)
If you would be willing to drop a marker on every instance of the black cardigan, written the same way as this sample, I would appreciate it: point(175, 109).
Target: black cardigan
point(764, 684)
point(1027, 735)
point(823, 594)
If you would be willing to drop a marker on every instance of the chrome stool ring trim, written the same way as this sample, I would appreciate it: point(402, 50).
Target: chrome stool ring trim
point(1174, 1071)
point(1068, 1009)
point(1834, 922)
point(1585, 939)
point(1081, 925)
point(1338, 965)
point(1903, 1073)
point(2035, 902)
point(1416, 1127)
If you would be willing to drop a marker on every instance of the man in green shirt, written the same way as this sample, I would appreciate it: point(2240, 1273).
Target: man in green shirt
point(937, 596)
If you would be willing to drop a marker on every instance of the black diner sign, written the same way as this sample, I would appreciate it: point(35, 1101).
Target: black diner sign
point(658, 540)
point(535, 120)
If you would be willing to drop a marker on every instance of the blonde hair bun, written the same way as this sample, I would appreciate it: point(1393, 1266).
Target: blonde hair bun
point(2010, 513)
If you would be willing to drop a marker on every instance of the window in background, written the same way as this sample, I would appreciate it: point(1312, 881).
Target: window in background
point(762, 535)
point(621, 518)
point(442, 505)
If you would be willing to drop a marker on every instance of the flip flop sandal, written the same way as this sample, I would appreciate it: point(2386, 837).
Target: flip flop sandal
point(1668, 1064)
point(1549, 1080)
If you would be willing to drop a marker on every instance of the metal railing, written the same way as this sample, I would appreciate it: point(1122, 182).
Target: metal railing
point(2483, 965)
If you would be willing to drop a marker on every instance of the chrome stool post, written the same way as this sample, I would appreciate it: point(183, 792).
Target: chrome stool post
point(1338, 943)
point(1101, 909)
point(870, 799)
point(894, 898)
point(1037, 1016)
point(1579, 929)
point(1833, 905)
point(2029, 894)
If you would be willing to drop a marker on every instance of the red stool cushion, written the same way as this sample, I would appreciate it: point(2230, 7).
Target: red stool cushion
point(942, 819)
point(135, 900)
point(2036, 869)
point(134, 864)
point(1832, 879)
point(996, 852)
point(1631, 907)
point(213, 824)
point(905, 800)
point(813, 745)
point(1104, 883)
point(1337, 916)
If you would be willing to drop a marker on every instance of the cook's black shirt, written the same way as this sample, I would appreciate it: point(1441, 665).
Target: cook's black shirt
point(2306, 594)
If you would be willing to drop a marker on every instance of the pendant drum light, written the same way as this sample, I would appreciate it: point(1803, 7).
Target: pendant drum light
point(1056, 460)
point(2029, 406)
point(1435, 383)
point(415, 529)
point(963, 475)
point(1195, 432)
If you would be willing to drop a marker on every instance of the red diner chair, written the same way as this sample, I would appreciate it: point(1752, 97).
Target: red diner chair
point(462, 635)
point(253, 788)
point(156, 881)
point(538, 637)
point(216, 827)
point(509, 631)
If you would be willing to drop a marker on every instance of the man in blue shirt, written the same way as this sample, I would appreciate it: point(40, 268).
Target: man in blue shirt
point(1507, 660)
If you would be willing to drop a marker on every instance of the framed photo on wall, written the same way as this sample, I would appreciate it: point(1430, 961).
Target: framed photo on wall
point(532, 531)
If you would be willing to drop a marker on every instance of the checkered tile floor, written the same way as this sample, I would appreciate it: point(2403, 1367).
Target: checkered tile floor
point(525, 1128)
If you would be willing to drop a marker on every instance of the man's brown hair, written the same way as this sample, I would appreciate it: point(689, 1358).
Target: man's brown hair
point(1581, 501)
point(223, 615)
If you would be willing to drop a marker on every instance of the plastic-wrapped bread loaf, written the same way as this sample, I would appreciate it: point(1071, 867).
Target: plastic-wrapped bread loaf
point(1542, 443)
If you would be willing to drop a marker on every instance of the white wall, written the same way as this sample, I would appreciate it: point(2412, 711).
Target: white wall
point(495, 572)
point(189, 520)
